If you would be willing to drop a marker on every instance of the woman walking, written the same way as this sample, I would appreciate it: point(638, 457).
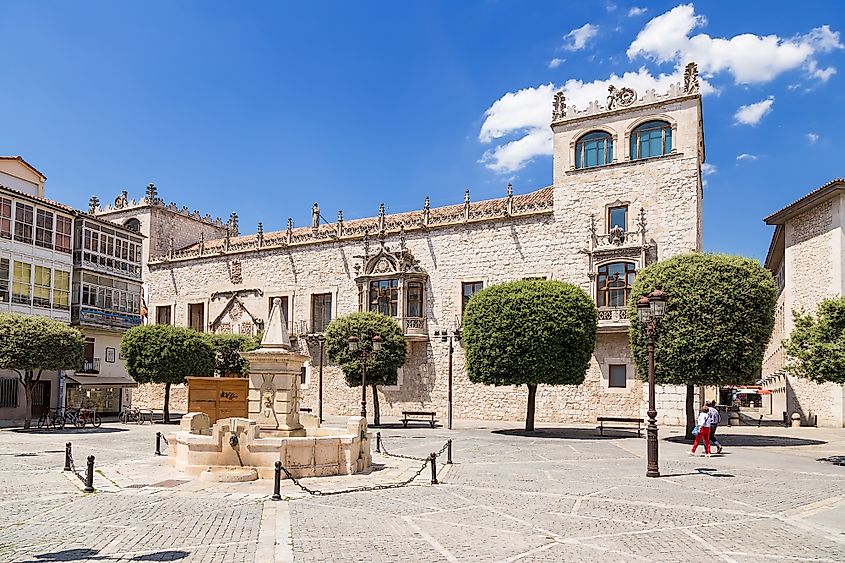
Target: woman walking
point(703, 431)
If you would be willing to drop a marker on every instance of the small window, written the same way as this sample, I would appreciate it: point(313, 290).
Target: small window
point(468, 289)
point(164, 315)
point(617, 375)
point(321, 311)
point(43, 229)
point(4, 280)
point(415, 299)
point(594, 149)
point(23, 223)
point(650, 139)
point(617, 217)
point(43, 279)
point(22, 283)
point(613, 284)
point(285, 308)
point(303, 376)
point(196, 316)
point(133, 225)
point(8, 392)
point(5, 218)
point(63, 227)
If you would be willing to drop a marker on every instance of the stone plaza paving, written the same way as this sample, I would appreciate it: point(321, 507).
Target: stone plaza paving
point(559, 494)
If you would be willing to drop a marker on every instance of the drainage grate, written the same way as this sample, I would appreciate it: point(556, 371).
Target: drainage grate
point(136, 486)
point(169, 483)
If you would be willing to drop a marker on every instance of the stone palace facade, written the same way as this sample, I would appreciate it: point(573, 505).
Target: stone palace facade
point(627, 191)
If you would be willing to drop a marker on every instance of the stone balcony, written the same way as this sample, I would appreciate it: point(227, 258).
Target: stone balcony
point(612, 319)
point(415, 328)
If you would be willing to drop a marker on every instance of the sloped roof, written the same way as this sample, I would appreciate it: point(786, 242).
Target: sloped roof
point(25, 163)
point(799, 205)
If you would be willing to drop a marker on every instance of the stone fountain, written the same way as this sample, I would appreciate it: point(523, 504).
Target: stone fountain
point(241, 449)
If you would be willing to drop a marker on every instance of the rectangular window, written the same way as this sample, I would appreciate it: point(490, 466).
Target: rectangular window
point(321, 311)
point(284, 305)
point(384, 297)
point(8, 392)
point(4, 280)
point(468, 289)
point(415, 299)
point(163, 315)
point(23, 223)
point(617, 217)
point(63, 228)
point(43, 228)
point(303, 375)
point(41, 293)
point(5, 218)
point(61, 289)
point(196, 316)
point(22, 283)
point(617, 375)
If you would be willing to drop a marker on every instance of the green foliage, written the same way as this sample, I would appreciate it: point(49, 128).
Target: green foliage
point(382, 365)
point(166, 353)
point(817, 344)
point(529, 332)
point(32, 344)
point(226, 348)
point(719, 317)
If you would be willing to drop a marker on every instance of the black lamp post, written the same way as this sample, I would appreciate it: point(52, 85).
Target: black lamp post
point(450, 337)
point(321, 340)
point(651, 309)
point(363, 354)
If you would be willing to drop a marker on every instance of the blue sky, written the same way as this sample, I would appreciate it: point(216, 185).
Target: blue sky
point(266, 107)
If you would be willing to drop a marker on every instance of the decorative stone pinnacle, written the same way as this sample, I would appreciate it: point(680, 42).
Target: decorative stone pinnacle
point(233, 224)
point(339, 223)
point(170, 247)
point(466, 205)
point(691, 85)
point(152, 193)
point(426, 214)
point(93, 204)
point(558, 106)
point(290, 230)
point(276, 331)
point(510, 189)
point(509, 206)
point(202, 243)
point(381, 220)
point(402, 237)
point(366, 243)
point(260, 234)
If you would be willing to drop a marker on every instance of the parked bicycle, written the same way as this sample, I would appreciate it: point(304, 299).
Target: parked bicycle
point(132, 414)
point(86, 416)
point(71, 416)
point(52, 418)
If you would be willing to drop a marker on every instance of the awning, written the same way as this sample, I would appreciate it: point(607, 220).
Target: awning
point(92, 381)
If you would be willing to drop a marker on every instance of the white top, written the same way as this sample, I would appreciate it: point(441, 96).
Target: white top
point(704, 420)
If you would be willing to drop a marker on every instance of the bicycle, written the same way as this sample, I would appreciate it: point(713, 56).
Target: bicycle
point(71, 416)
point(86, 416)
point(132, 414)
point(52, 418)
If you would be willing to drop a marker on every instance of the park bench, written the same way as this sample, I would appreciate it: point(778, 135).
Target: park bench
point(421, 416)
point(619, 420)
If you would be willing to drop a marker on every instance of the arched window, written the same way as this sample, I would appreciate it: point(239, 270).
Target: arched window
point(614, 284)
point(133, 225)
point(653, 138)
point(594, 149)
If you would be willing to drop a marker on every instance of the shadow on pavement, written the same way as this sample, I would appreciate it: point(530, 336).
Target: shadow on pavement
point(729, 440)
point(70, 431)
point(708, 471)
point(568, 433)
point(89, 554)
point(171, 555)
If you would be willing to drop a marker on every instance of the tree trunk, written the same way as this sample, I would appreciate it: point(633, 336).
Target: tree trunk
point(376, 413)
point(529, 417)
point(28, 386)
point(167, 403)
point(690, 407)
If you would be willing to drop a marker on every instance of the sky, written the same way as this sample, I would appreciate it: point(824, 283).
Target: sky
point(267, 107)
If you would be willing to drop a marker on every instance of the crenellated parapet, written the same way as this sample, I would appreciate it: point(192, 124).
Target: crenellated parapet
point(619, 98)
point(151, 199)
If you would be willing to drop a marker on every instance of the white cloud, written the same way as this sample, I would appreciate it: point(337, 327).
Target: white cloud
point(708, 169)
point(753, 113)
point(578, 38)
point(812, 137)
point(747, 57)
point(554, 63)
point(823, 74)
point(635, 11)
point(610, 7)
point(746, 156)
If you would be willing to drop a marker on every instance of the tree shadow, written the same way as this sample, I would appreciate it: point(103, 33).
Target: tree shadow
point(88, 554)
point(754, 440)
point(170, 555)
point(708, 471)
point(70, 431)
point(568, 433)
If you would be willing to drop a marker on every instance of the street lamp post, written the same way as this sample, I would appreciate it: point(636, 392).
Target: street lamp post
point(651, 309)
point(321, 340)
point(450, 337)
point(363, 354)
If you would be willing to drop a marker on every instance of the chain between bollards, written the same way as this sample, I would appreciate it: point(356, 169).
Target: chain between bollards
point(277, 482)
point(433, 458)
point(89, 476)
point(68, 457)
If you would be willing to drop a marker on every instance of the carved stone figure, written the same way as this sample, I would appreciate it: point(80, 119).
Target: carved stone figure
point(121, 200)
point(315, 216)
point(558, 106)
point(620, 97)
point(691, 79)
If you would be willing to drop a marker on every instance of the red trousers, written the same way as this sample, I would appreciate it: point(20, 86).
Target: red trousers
point(703, 433)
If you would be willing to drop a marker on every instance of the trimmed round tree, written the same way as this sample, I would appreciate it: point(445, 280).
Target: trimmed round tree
point(31, 345)
point(166, 354)
point(529, 333)
point(719, 317)
point(816, 346)
point(382, 366)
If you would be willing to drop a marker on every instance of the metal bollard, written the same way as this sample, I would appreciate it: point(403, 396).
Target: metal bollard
point(449, 452)
point(158, 443)
point(433, 459)
point(89, 476)
point(378, 442)
point(68, 455)
point(277, 482)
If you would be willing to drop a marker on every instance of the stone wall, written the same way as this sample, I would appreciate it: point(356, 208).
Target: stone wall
point(151, 396)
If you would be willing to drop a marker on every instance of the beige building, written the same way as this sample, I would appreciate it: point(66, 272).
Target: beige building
point(18, 174)
point(626, 192)
point(806, 257)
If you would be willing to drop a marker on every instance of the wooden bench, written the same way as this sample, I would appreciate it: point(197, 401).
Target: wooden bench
point(619, 419)
point(421, 416)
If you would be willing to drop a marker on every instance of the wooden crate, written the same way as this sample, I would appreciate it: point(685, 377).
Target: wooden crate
point(218, 397)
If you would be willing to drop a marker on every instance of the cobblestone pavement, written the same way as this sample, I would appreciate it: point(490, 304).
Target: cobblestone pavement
point(554, 495)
